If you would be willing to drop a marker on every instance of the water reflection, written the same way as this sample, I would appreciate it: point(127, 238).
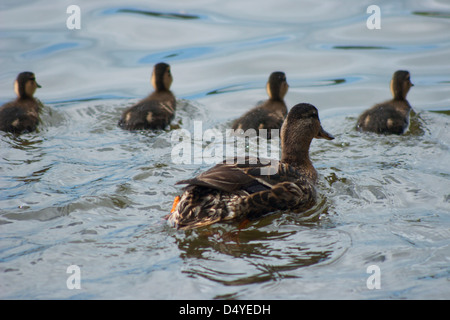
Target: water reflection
point(196, 52)
point(401, 48)
point(179, 54)
point(165, 15)
point(55, 48)
point(361, 47)
point(264, 253)
point(274, 247)
point(30, 141)
point(433, 14)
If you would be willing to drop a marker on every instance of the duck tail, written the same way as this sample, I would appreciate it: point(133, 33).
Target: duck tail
point(194, 209)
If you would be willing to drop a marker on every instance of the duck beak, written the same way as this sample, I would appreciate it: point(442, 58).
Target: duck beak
point(38, 85)
point(324, 135)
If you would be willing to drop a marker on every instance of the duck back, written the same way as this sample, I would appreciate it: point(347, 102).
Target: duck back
point(270, 115)
point(391, 117)
point(154, 112)
point(20, 116)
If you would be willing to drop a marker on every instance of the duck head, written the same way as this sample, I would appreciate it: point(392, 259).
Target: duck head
point(25, 85)
point(301, 125)
point(161, 77)
point(277, 86)
point(400, 84)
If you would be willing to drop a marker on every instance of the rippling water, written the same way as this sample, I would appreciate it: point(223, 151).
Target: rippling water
point(81, 191)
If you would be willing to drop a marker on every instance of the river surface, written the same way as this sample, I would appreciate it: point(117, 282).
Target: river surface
point(83, 201)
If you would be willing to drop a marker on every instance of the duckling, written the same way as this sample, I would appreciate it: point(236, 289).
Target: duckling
point(244, 191)
point(158, 109)
point(22, 114)
point(271, 113)
point(390, 117)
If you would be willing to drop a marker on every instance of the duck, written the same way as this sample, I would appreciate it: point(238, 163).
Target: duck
point(271, 113)
point(157, 110)
point(390, 117)
point(247, 190)
point(22, 114)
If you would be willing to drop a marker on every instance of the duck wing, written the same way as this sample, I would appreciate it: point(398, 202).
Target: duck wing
point(251, 175)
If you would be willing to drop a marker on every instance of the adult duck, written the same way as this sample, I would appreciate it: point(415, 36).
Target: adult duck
point(248, 191)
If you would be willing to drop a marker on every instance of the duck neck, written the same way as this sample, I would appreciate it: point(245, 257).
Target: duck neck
point(276, 98)
point(399, 98)
point(25, 97)
point(165, 93)
point(297, 155)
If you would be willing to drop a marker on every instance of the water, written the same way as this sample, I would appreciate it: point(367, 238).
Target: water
point(83, 192)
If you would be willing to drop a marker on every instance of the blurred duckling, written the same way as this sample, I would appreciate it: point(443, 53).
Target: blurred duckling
point(246, 191)
point(158, 109)
point(22, 114)
point(390, 117)
point(271, 113)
